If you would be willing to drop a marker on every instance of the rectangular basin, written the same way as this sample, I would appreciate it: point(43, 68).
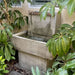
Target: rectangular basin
point(32, 52)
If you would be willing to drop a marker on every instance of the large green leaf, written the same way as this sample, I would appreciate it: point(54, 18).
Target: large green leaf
point(61, 71)
point(37, 71)
point(4, 36)
point(44, 11)
point(33, 71)
point(52, 10)
point(70, 56)
point(55, 64)
point(66, 26)
point(65, 44)
point(1, 51)
point(73, 73)
point(71, 6)
point(7, 54)
point(70, 64)
point(11, 49)
point(9, 32)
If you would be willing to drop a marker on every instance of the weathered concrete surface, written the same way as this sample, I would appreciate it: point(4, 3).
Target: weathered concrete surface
point(45, 28)
point(66, 18)
point(32, 52)
point(27, 61)
point(40, 27)
point(14, 73)
point(37, 48)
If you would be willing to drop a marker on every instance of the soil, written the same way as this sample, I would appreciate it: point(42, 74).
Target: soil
point(12, 67)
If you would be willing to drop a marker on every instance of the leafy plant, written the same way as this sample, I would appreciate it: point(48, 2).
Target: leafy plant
point(3, 66)
point(62, 66)
point(50, 7)
point(64, 41)
point(62, 44)
point(37, 71)
point(15, 19)
point(6, 48)
point(9, 19)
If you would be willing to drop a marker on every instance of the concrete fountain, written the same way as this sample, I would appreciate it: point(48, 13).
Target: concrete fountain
point(33, 52)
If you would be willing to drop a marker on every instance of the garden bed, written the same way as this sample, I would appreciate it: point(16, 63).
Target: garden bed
point(15, 69)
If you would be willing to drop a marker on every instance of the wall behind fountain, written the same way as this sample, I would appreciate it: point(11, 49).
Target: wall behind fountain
point(25, 9)
point(66, 18)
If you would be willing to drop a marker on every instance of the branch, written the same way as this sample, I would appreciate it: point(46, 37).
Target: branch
point(2, 9)
point(6, 7)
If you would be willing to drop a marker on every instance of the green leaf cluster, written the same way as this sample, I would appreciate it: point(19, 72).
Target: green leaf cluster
point(50, 7)
point(9, 19)
point(16, 18)
point(3, 66)
point(63, 42)
point(6, 48)
point(11, 2)
point(62, 66)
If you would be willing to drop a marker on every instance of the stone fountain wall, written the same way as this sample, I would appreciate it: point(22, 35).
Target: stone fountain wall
point(43, 28)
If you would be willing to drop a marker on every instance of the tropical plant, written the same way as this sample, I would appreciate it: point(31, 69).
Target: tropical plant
point(6, 48)
point(62, 44)
point(3, 66)
point(9, 19)
point(50, 7)
point(13, 17)
point(64, 41)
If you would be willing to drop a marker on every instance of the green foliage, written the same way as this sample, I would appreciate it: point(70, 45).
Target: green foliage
point(9, 19)
point(62, 66)
point(62, 46)
point(50, 7)
point(62, 42)
point(17, 20)
point(11, 2)
point(6, 48)
point(16, 17)
point(3, 66)
point(37, 72)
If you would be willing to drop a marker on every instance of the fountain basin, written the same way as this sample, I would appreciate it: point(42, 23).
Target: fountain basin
point(32, 52)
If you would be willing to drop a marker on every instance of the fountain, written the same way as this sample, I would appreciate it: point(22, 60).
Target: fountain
point(32, 49)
